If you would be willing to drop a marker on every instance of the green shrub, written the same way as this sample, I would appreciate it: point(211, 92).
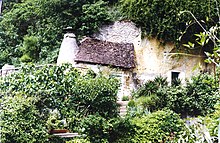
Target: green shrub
point(121, 130)
point(49, 83)
point(159, 126)
point(148, 102)
point(21, 120)
point(131, 103)
point(174, 98)
point(198, 97)
point(202, 94)
point(151, 87)
point(98, 129)
point(30, 49)
point(73, 94)
point(212, 121)
point(137, 111)
point(125, 98)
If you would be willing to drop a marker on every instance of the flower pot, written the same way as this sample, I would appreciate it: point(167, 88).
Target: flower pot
point(57, 131)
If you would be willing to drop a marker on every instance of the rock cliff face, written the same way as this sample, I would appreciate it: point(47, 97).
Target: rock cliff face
point(119, 32)
point(153, 58)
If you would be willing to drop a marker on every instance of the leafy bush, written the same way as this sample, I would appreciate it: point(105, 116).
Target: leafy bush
point(125, 98)
point(73, 94)
point(148, 102)
point(151, 86)
point(147, 97)
point(21, 121)
point(198, 97)
point(159, 126)
point(30, 49)
point(98, 129)
point(47, 82)
point(174, 98)
point(202, 94)
point(212, 121)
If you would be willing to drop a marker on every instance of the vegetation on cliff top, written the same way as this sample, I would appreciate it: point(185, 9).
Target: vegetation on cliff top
point(31, 30)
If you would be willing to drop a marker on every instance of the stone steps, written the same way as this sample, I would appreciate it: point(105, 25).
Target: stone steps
point(123, 107)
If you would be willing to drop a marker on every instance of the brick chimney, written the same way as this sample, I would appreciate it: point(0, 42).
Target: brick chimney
point(68, 48)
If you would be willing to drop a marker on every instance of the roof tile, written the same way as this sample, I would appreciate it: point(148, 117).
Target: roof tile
point(106, 53)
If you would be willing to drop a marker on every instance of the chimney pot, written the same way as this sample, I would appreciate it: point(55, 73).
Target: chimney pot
point(68, 29)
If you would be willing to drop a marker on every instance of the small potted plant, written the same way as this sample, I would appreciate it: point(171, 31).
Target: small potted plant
point(55, 124)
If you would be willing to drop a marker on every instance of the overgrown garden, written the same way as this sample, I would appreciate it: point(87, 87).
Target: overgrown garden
point(36, 100)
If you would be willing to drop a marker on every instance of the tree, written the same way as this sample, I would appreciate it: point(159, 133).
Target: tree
point(208, 34)
point(44, 20)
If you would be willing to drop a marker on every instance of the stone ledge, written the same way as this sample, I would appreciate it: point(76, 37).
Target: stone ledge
point(67, 135)
point(123, 103)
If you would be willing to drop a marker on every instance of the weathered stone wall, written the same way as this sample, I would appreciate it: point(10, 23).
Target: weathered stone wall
point(119, 32)
point(153, 59)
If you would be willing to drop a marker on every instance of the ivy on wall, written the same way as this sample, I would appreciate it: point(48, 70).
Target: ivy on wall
point(162, 19)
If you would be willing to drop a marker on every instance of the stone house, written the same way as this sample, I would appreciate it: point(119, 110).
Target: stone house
point(119, 50)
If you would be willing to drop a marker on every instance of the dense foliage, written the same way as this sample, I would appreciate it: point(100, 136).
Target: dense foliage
point(113, 130)
point(38, 99)
point(32, 29)
point(212, 121)
point(160, 126)
point(198, 97)
point(162, 19)
point(61, 92)
point(58, 86)
point(21, 121)
point(46, 97)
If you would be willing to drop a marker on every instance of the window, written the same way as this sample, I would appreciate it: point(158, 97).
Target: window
point(174, 77)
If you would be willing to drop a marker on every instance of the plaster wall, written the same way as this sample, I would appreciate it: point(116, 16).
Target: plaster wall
point(153, 60)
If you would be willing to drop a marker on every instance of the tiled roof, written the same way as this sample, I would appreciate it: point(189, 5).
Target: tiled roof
point(106, 53)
